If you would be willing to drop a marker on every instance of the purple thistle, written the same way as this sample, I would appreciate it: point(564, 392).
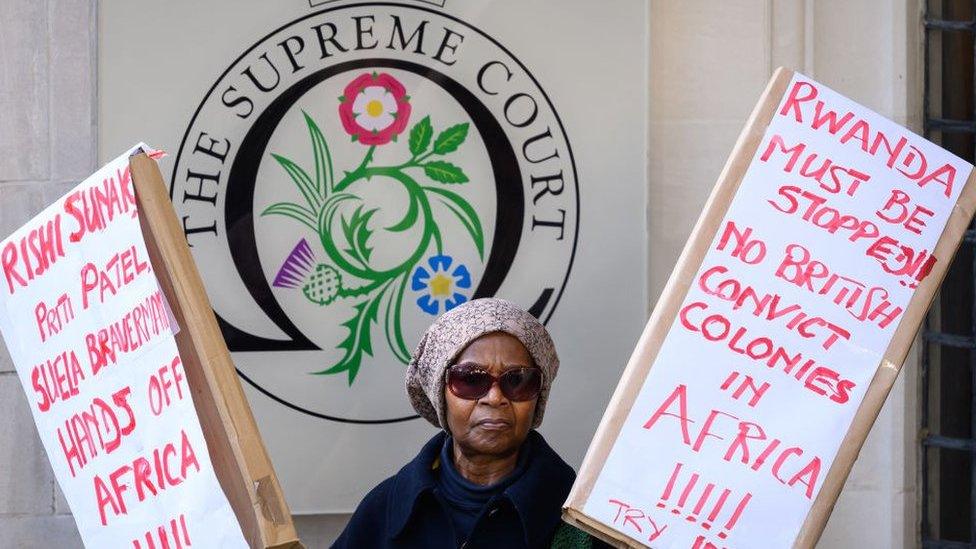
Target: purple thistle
point(296, 266)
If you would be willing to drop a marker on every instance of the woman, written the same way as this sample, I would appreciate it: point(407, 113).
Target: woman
point(482, 373)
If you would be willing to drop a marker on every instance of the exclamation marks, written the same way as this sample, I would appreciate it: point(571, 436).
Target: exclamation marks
point(176, 529)
point(693, 517)
point(670, 486)
point(701, 543)
point(735, 516)
point(183, 530)
point(685, 493)
point(924, 268)
point(717, 509)
point(707, 497)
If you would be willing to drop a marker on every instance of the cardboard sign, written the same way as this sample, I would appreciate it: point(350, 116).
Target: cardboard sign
point(237, 449)
point(780, 332)
point(92, 339)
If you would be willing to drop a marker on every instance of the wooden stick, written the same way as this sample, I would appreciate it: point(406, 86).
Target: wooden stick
point(239, 457)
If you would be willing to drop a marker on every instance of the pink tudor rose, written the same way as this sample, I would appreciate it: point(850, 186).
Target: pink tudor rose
point(374, 108)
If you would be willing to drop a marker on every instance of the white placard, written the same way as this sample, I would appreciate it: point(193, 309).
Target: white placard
point(91, 337)
point(785, 323)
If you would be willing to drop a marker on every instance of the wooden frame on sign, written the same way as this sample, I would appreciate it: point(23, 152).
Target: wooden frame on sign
point(237, 451)
point(674, 295)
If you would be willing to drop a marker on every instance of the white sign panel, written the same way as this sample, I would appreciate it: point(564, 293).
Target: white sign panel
point(786, 321)
point(91, 337)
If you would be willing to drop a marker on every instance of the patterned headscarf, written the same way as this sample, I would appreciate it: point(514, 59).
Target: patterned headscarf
point(453, 331)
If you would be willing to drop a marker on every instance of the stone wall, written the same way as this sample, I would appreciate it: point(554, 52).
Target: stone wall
point(47, 145)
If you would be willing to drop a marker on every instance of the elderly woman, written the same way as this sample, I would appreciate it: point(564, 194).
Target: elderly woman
point(482, 374)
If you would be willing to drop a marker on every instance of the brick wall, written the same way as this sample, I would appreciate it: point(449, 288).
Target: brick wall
point(47, 145)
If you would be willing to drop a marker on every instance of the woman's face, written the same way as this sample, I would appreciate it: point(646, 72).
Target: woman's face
point(491, 425)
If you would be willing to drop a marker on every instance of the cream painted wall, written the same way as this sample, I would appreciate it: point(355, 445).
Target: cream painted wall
point(709, 62)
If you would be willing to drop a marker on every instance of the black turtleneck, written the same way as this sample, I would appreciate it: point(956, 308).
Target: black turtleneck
point(466, 500)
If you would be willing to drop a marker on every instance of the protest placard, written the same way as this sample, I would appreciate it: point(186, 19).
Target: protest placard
point(92, 338)
point(239, 456)
point(780, 332)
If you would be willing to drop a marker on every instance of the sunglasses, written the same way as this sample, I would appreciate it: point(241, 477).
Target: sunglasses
point(517, 384)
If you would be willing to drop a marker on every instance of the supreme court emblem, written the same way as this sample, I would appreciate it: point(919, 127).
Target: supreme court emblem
point(356, 173)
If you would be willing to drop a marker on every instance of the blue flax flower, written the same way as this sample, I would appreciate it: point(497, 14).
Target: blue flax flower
point(440, 284)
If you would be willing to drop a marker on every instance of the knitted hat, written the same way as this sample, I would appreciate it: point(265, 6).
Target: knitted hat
point(453, 331)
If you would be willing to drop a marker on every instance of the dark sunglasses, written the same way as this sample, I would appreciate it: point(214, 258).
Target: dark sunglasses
point(517, 384)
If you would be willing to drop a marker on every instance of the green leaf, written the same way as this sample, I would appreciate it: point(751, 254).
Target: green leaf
point(363, 233)
point(465, 213)
point(420, 136)
point(347, 227)
point(326, 223)
point(451, 138)
point(294, 211)
point(409, 219)
point(333, 201)
point(445, 172)
point(394, 330)
point(357, 232)
point(358, 341)
point(304, 183)
point(329, 209)
point(323, 159)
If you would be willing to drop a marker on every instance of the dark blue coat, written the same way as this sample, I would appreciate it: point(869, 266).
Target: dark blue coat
point(405, 510)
